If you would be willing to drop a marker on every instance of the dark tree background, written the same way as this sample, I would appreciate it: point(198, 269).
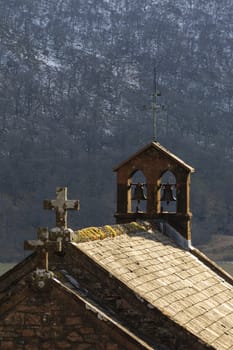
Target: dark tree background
point(74, 77)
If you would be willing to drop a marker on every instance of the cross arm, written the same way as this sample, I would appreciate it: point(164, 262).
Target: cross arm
point(72, 204)
point(33, 244)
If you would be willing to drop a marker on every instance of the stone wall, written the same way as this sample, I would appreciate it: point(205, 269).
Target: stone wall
point(54, 318)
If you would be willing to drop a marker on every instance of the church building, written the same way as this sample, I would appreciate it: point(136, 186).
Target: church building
point(138, 284)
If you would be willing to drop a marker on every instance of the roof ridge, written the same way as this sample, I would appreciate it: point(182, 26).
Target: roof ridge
point(93, 233)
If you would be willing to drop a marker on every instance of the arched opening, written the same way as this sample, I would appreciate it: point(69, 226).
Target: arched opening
point(168, 193)
point(137, 193)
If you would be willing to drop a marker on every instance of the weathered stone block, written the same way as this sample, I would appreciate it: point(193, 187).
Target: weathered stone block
point(74, 337)
point(14, 319)
point(31, 347)
point(91, 338)
point(7, 345)
point(46, 346)
point(32, 319)
point(63, 345)
point(28, 332)
point(85, 347)
point(86, 330)
point(70, 321)
point(112, 347)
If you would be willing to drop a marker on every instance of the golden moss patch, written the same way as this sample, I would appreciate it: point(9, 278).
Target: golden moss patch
point(95, 233)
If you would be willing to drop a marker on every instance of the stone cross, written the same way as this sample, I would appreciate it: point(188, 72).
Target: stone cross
point(41, 247)
point(61, 204)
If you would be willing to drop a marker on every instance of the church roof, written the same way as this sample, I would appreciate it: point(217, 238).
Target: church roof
point(178, 286)
point(163, 150)
point(170, 279)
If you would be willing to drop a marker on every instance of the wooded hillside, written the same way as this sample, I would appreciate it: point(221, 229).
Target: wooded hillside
point(75, 76)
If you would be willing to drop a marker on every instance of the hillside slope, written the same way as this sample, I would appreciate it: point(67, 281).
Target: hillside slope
point(74, 79)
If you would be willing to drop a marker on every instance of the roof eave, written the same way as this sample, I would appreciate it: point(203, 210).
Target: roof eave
point(159, 147)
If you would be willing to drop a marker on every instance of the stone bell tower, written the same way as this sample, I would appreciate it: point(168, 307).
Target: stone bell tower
point(154, 162)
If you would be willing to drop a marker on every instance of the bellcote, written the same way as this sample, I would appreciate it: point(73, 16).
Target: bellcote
point(164, 183)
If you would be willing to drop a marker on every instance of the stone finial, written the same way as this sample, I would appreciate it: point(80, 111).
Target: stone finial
point(61, 204)
point(55, 239)
point(49, 240)
point(40, 278)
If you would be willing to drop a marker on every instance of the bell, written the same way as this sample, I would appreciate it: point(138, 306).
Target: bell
point(138, 194)
point(167, 195)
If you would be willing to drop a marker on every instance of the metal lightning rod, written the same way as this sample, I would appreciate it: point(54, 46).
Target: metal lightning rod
point(154, 100)
point(154, 105)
